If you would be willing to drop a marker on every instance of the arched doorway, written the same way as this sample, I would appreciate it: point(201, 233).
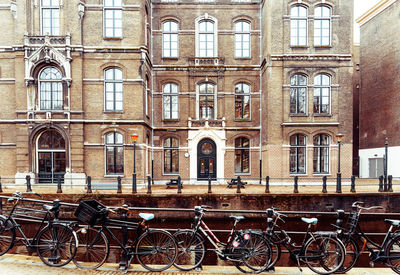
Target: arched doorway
point(206, 159)
point(51, 157)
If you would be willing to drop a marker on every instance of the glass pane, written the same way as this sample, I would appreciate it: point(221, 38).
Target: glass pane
point(206, 148)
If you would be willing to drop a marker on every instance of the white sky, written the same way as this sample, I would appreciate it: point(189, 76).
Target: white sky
point(360, 7)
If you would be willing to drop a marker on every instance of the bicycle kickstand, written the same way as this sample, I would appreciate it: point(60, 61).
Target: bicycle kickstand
point(128, 264)
point(298, 263)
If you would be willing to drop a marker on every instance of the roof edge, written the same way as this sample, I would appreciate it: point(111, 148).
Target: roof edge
point(374, 11)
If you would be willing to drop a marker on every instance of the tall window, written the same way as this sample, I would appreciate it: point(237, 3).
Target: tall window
point(50, 86)
point(206, 101)
point(321, 154)
point(242, 39)
point(50, 17)
point(242, 155)
point(297, 154)
point(298, 26)
point(171, 156)
point(114, 153)
point(242, 101)
point(113, 89)
point(112, 18)
point(206, 38)
point(298, 94)
point(170, 101)
point(322, 87)
point(170, 39)
point(322, 26)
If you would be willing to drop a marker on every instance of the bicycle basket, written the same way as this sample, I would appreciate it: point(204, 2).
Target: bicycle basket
point(352, 221)
point(91, 212)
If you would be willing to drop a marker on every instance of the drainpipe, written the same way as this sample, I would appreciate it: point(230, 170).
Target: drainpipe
point(152, 91)
point(260, 88)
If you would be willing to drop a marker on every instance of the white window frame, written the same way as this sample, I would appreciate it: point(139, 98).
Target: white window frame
point(239, 35)
point(113, 81)
point(198, 100)
point(319, 88)
point(171, 95)
point(116, 6)
point(319, 147)
point(298, 87)
point(243, 95)
point(170, 34)
point(305, 154)
point(58, 81)
point(113, 145)
point(212, 19)
point(294, 40)
point(54, 6)
point(322, 19)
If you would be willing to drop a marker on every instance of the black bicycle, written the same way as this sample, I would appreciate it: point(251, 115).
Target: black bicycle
point(322, 252)
point(248, 250)
point(155, 249)
point(388, 252)
point(55, 241)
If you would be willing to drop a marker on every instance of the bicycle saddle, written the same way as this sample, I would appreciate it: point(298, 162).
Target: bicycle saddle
point(237, 218)
point(146, 216)
point(49, 207)
point(393, 222)
point(310, 220)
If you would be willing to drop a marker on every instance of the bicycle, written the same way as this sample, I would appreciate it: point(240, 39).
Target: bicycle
point(246, 249)
point(55, 243)
point(322, 252)
point(388, 252)
point(154, 249)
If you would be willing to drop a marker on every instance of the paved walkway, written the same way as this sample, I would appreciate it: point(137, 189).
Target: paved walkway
point(31, 265)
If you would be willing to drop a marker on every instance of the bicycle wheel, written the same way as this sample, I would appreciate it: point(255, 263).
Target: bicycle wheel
point(7, 235)
point(276, 250)
point(191, 250)
point(56, 245)
point(352, 254)
point(156, 250)
point(93, 248)
point(393, 253)
point(323, 254)
point(256, 255)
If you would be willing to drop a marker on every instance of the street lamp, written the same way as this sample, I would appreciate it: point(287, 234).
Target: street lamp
point(339, 137)
point(134, 138)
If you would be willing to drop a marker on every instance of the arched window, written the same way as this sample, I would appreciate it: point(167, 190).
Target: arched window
point(321, 154)
point(112, 18)
point(322, 26)
point(114, 93)
point(298, 154)
point(206, 38)
point(50, 15)
point(114, 153)
point(206, 101)
point(298, 26)
point(171, 156)
point(242, 155)
point(242, 101)
point(50, 89)
point(322, 88)
point(242, 39)
point(170, 101)
point(298, 94)
point(170, 39)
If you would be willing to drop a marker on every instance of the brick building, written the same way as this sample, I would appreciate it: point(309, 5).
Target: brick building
point(212, 88)
point(379, 111)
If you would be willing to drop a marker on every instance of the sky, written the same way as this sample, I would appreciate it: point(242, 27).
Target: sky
point(360, 7)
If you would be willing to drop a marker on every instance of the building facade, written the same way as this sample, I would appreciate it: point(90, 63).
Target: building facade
point(213, 89)
point(379, 112)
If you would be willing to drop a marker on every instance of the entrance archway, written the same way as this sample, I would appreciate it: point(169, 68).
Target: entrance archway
point(206, 159)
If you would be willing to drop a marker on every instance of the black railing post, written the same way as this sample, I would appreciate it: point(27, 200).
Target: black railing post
point(148, 185)
point(179, 185)
point(59, 190)
point(324, 185)
point(1, 188)
point(134, 188)
point(124, 230)
point(380, 184)
point(390, 186)
point(353, 184)
point(296, 184)
point(209, 185)
point(89, 184)
point(260, 171)
point(385, 166)
point(119, 185)
point(267, 184)
point(339, 183)
point(238, 185)
point(28, 184)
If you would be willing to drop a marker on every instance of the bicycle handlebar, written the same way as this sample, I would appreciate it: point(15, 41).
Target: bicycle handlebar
point(357, 204)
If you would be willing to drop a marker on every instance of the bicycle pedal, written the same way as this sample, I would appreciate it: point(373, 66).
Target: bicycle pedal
point(371, 264)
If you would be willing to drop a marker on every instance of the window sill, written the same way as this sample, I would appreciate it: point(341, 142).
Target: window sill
point(242, 174)
point(323, 46)
point(113, 112)
point(322, 174)
point(114, 176)
point(242, 120)
point(299, 47)
point(322, 115)
point(298, 115)
point(112, 38)
point(171, 120)
point(300, 175)
point(170, 58)
point(170, 174)
point(242, 58)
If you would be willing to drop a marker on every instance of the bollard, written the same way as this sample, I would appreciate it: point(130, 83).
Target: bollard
point(209, 184)
point(134, 189)
point(390, 187)
point(339, 183)
point(59, 190)
point(89, 184)
point(353, 184)
point(267, 184)
point(296, 185)
point(179, 185)
point(380, 184)
point(238, 185)
point(1, 188)
point(28, 184)
point(324, 185)
point(148, 185)
point(119, 185)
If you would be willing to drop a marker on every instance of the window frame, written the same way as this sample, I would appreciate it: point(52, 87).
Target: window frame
point(242, 149)
point(243, 95)
point(321, 19)
point(114, 8)
point(298, 19)
point(57, 81)
point(170, 34)
point(114, 147)
point(52, 8)
point(296, 88)
point(321, 151)
point(320, 88)
point(170, 149)
point(213, 95)
point(200, 34)
point(113, 81)
point(171, 95)
point(241, 34)
point(296, 147)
